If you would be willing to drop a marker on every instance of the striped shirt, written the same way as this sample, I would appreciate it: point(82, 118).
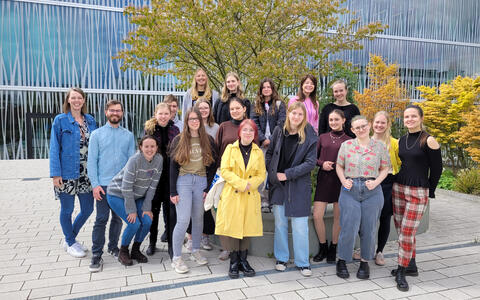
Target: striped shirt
point(138, 179)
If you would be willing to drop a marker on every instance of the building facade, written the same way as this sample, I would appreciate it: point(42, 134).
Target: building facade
point(47, 46)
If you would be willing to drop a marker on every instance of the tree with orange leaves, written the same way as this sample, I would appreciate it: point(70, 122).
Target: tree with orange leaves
point(469, 135)
point(384, 91)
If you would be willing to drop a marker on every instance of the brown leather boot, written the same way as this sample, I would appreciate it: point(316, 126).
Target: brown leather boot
point(124, 256)
point(136, 254)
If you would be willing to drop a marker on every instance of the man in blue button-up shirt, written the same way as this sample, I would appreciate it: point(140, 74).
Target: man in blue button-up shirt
point(109, 149)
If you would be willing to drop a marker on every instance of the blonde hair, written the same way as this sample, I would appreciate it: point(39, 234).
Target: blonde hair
point(388, 132)
point(152, 122)
point(226, 93)
point(301, 128)
point(194, 87)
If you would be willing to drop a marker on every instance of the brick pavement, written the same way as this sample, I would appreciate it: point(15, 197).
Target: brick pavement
point(34, 265)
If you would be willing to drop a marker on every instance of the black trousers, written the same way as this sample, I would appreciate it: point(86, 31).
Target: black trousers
point(162, 200)
point(386, 214)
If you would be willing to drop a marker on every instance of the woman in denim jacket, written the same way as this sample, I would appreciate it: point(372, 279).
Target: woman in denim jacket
point(68, 166)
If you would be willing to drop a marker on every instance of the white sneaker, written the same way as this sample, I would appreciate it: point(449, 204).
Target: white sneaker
point(198, 257)
point(179, 265)
point(305, 271)
point(76, 251)
point(188, 246)
point(224, 255)
point(280, 266)
point(205, 243)
point(65, 246)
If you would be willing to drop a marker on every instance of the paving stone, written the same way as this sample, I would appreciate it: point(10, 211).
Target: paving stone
point(271, 289)
point(167, 294)
point(473, 290)
point(48, 282)
point(394, 293)
point(50, 291)
point(311, 282)
point(256, 280)
point(53, 273)
point(454, 294)
point(86, 294)
point(311, 293)
point(98, 284)
point(18, 295)
point(230, 295)
point(430, 296)
point(210, 296)
point(285, 276)
point(11, 286)
point(214, 287)
point(366, 296)
point(349, 288)
point(287, 296)
point(139, 279)
point(454, 282)
point(20, 277)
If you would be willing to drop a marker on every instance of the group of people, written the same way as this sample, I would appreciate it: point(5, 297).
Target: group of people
point(263, 153)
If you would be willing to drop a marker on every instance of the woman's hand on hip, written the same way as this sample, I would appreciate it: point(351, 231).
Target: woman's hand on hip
point(281, 176)
point(131, 218)
point(148, 213)
point(57, 181)
point(371, 184)
point(174, 199)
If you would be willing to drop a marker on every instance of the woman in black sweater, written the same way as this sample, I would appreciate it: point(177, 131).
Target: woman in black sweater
point(415, 183)
point(231, 88)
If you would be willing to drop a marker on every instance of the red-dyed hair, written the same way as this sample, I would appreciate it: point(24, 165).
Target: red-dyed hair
point(251, 123)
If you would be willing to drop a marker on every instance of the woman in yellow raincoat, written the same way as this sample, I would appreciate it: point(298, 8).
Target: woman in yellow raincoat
point(239, 214)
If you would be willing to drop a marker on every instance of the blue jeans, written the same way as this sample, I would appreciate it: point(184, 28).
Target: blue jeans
point(98, 233)
point(67, 203)
point(299, 234)
point(139, 229)
point(359, 212)
point(190, 205)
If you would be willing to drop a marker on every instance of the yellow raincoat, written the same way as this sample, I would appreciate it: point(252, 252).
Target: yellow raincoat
point(239, 212)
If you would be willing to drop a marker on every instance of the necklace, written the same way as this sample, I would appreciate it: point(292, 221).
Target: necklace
point(335, 138)
point(406, 141)
point(246, 151)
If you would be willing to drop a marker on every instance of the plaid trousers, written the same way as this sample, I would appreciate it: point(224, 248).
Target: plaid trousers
point(409, 204)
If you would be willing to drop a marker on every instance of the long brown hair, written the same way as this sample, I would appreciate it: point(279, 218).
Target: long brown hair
point(152, 122)
point(261, 99)
point(313, 94)
point(301, 128)
point(210, 119)
point(181, 153)
point(226, 93)
point(66, 105)
point(194, 88)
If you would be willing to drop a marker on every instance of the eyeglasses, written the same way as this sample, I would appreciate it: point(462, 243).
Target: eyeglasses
point(361, 127)
point(115, 111)
point(193, 119)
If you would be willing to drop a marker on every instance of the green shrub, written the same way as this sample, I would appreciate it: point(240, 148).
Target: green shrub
point(447, 180)
point(468, 181)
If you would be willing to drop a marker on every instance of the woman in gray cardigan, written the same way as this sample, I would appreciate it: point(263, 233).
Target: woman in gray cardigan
point(200, 88)
point(290, 158)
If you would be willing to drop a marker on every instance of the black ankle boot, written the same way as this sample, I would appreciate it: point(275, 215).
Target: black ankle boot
point(342, 270)
point(322, 252)
point(402, 284)
point(363, 271)
point(136, 254)
point(151, 250)
point(244, 266)
point(411, 270)
point(233, 270)
point(332, 253)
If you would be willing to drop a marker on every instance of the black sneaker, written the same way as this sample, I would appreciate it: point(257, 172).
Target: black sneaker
point(96, 264)
point(113, 252)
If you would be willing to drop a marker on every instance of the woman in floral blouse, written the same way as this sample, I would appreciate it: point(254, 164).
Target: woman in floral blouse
point(362, 164)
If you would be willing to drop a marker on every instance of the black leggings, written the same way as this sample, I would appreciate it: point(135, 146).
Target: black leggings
point(386, 214)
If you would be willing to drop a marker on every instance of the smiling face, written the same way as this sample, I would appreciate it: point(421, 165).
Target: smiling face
point(163, 116)
point(296, 117)
point(412, 119)
point(308, 87)
point(76, 101)
point(339, 92)
point(149, 148)
point(114, 113)
point(237, 111)
point(380, 124)
point(201, 78)
point(232, 84)
point(193, 122)
point(335, 121)
point(204, 109)
point(266, 89)
point(361, 128)
point(247, 134)
point(173, 109)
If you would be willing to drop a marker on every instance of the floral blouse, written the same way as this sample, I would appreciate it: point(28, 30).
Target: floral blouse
point(82, 183)
point(358, 161)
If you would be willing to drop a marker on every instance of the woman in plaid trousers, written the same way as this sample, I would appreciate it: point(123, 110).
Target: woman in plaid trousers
point(415, 183)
